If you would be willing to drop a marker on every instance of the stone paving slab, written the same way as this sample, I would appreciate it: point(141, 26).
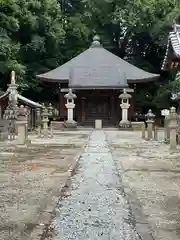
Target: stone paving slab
point(31, 179)
point(151, 178)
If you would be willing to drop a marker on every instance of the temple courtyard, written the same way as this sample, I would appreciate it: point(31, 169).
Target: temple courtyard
point(90, 184)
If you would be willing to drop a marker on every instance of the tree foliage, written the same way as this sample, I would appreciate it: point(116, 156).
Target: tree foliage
point(39, 35)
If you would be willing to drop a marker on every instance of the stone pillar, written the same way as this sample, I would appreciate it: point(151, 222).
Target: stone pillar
point(22, 126)
point(165, 114)
point(173, 124)
point(38, 121)
point(124, 123)
point(150, 121)
point(70, 123)
point(155, 133)
point(166, 130)
point(143, 131)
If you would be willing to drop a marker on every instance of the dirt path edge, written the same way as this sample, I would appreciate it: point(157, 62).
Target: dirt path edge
point(46, 216)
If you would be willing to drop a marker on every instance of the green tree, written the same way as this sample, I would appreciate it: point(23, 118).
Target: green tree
point(31, 35)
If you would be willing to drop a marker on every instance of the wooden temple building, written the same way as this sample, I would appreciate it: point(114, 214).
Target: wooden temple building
point(97, 77)
point(172, 56)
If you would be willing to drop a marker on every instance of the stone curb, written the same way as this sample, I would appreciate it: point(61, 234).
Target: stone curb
point(46, 216)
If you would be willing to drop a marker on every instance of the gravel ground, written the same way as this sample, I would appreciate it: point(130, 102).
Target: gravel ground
point(95, 206)
point(124, 187)
point(29, 178)
point(151, 178)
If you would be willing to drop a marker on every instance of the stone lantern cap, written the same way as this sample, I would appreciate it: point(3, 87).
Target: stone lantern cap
point(125, 95)
point(172, 115)
point(44, 112)
point(150, 115)
point(165, 112)
point(70, 95)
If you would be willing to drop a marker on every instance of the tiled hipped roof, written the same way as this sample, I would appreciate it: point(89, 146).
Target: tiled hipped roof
point(97, 68)
point(172, 50)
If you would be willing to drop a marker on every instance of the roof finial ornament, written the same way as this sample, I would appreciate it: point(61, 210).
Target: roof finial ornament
point(13, 81)
point(96, 41)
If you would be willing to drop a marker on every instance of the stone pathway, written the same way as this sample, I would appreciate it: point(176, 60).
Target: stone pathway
point(95, 206)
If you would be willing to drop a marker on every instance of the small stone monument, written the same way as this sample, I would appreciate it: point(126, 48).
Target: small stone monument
point(70, 105)
point(165, 114)
point(125, 97)
point(173, 128)
point(22, 125)
point(150, 121)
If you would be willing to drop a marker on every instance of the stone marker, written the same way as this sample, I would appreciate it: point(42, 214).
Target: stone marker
point(155, 133)
point(173, 128)
point(98, 124)
point(143, 131)
point(150, 121)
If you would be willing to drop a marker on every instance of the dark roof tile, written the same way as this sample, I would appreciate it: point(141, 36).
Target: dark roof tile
point(99, 68)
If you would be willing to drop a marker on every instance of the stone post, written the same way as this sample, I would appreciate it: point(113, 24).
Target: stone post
point(124, 123)
point(165, 113)
point(70, 123)
point(155, 133)
point(150, 121)
point(22, 126)
point(143, 131)
point(173, 128)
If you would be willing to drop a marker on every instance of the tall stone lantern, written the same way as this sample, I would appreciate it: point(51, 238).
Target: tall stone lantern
point(70, 105)
point(150, 116)
point(125, 97)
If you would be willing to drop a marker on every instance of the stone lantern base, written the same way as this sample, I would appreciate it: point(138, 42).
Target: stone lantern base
point(125, 124)
point(70, 124)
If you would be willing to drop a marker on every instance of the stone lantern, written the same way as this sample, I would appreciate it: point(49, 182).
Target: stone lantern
point(50, 110)
point(45, 120)
point(70, 105)
point(22, 125)
point(125, 97)
point(150, 121)
point(38, 117)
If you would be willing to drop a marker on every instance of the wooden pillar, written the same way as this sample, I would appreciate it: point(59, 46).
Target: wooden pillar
point(83, 116)
point(132, 103)
point(113, 117)
point(62, 103)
